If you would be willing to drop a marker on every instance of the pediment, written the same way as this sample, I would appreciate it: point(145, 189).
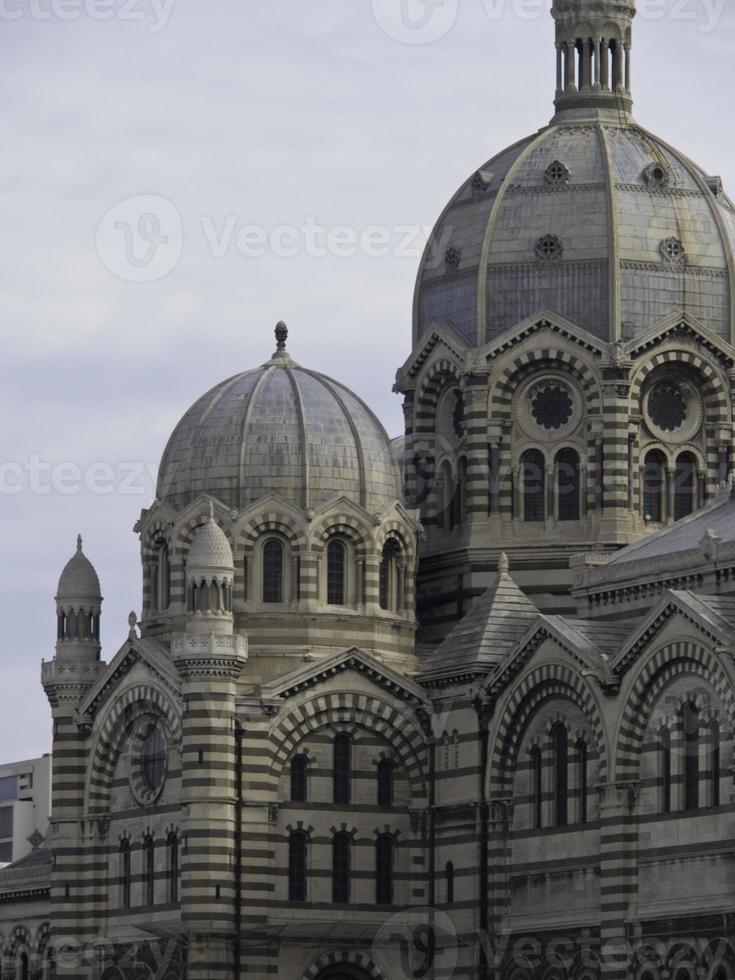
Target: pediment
point(542, 322)
point(685, 327)
point(135, 650)
point(353, 659)
point(438, 336)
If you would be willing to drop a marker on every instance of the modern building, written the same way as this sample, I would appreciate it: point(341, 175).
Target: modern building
point(475, 723)
point(25, 806)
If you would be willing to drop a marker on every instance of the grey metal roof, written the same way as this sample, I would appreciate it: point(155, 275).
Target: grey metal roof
point(611, 223)
point(489, 631)
point(280, 429)
point(79, 579)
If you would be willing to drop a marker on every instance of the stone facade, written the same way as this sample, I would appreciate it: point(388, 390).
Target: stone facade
point(478, 725)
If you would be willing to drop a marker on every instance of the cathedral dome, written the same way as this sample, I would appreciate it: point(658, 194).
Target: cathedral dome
point(79, 579)
point(593, 218)
point(279, 429)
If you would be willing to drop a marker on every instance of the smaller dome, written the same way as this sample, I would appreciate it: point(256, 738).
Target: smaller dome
point(210, 550)
point(79, 579)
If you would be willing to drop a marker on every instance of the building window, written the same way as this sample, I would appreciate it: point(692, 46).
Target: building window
point(161, 578)
point(449, 874)
point(561, 775)
point(533, 484)
point(273, 571)
point(341, 846)
point(153, 759)
point(341, 769)
point(384, 857)
point(685, 483)
point(582, 781)
point(336, 568)
point(24, 968)
point(125, 874)
point(654, 486)
point(385, 783)
point(149, 859)
point(715, 761)
point(389, 576)
point(298, 779)
point(451, 498)
point(690, 724)
point(568, 484)
point(297, 867)
point(537, 771)
point(173, 869)
point(665, 769)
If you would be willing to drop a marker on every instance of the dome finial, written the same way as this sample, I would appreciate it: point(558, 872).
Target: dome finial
point(211, 512)
point(79, 542)
point(281, 335)
point(503, 564)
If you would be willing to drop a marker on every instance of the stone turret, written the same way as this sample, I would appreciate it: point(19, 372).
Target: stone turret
point(210, 573)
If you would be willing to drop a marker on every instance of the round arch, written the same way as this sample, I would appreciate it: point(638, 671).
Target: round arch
point(343, 965)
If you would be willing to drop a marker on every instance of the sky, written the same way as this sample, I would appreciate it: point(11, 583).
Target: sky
point(178, 175)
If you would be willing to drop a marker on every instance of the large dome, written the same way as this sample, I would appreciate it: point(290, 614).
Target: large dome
point(279, 429)
point(592, 218)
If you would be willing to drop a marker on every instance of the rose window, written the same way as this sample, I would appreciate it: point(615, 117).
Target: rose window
point(552, 407)
point(667, 407)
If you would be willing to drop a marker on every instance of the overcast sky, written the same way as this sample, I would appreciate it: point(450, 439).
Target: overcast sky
point(249, 130)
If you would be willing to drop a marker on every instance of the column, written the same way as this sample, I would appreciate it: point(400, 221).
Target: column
point(618, 874)
point(670, 494)
point(605, 64)
point(570, 83)
point(477, 489)
point(559, 69)
point(628, 68)
point(598, 61)
point(618, 70)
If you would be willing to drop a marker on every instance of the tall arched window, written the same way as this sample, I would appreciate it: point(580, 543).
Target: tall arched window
point(161, 578)
point(298, 779)
point(685, 485)
point(582, 780)
point(125, 874)
point(336, 569)
point(690, 725)
point(568, 484)
point(173, 869)
point(390, 597)
point(449, 874)
point(297, 867)
point(384, 856)
point(715, 761)
point(385, 783)
point(23, 967)
point(273, 571)
point(149, 859)
point(449, 493)
point(561, 774)
point(342, 768)
point(665, 769)
point(533, 486)
point(654, 486)
point(459, 501)
point(537, 771)
point(341, 848)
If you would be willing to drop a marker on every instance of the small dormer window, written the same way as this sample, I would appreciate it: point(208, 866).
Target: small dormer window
point(480, 183)
point(452, 258)
point(557, 173)
point(673, 251)
point(549, 248)
point(656, 175)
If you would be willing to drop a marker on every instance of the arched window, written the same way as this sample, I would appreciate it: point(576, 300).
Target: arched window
point(297, 867)
point(390, 597)
point(449, 493)
point(342, 768)
point(568, 485)
point(449, 874)
point(173, 869)
point(654, 486)
point(582, 782)
point(161, 578)
point(341, 847)
point(385, 783)
point(336, 569)
point(690, 725)
point(298, 779)
point(665, 769)
point(533, 486)
point(149, 859)
point(125, 874)
point(537, 787)
point(459, 500)
point(273, 571)
point(715, 761)
point(23, 967)
point(384, 847)
point(685, 485)
point(561, 774)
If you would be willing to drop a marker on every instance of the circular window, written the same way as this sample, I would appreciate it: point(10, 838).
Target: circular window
point(549, 247)
point(667, 407)
point(148, 761)
point(672, 250)
point(551, 407)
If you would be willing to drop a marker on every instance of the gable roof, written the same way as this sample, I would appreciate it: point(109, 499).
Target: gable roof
point(487, 633)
